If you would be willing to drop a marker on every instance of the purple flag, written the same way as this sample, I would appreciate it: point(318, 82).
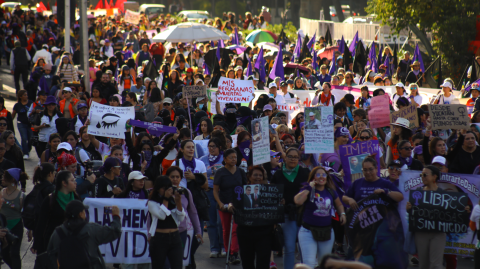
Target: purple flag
point(341, 45)
point(260, 65)
point(311, 43)
point(249, 69)
point(194, 47)
point(417, 56)
point(153, 128)
point(314, 62)
point(235, 40)
point(298, 47)
point(212, 44)
point(379, 59)
point(218, 54)
point(277, 69)
point(205, 69)
point(353, 44)
point(372, 56)
point(292, 59)
point(333, 65)
point(221, 44)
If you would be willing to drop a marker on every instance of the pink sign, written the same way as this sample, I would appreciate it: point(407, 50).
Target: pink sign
point(379, 113)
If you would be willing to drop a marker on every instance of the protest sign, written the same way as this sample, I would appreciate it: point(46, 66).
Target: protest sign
point(258, 205)
point(235, 90)
point(457, 243)
point(319, 129)
point(352, 156)
point(154, 129)
point(195, 91)
point(409, 113)
point(438, 211)
point(376, 234)
point(234, 140)
point(444, 117)
point(132, 17)
point(132, 247)
point(203, 144)
point(261, 141)
point(379, 111)
point(109, 121)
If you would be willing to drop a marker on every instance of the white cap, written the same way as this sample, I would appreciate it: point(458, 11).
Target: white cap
point(400, 85)
point(68, 89)
point(102, 42)
point(200, 99)
point(137, 175)
point(55, 49)
point(440, 160)
point(311, 114)
point(446, 84)
point(272, 84)
point(64, 145)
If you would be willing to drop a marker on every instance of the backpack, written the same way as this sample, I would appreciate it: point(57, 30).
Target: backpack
point(72, 253)
point(31, 208)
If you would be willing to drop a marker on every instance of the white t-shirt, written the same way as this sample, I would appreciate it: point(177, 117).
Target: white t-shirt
point(442, 99)
point(104, 149)
point(199, 168)
point(418, 99)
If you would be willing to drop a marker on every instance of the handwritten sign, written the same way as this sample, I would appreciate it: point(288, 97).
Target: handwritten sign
point(379, 111)
point(352, 156)
point(450, 116)
point(261, 141)
point(259, 205)
point(438, 211)
point(319, 129)
point(235, 90)
point(195, 91)
point(409, 113)
point(109, 121)
point(132, 17)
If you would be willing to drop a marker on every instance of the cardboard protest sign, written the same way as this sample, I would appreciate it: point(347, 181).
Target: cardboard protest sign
point(195, 91)
point(258, 205)
point(261, 141)
point(458, 243)
point(352, 156)
point(438, 211)
point(109, 121)
point(132, 17)
point(132, 246)
point(409, 113)
point(319, 129)
point(235, 90)
point(451, 116)
point(379, 111)
point(375, 233)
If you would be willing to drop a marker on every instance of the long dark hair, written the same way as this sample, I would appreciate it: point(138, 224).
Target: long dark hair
point(138, 141)
point(155, 95)
point(61, 177)
point(406, 134)
point(128, 188)
point(180, 153)
point(160, 182)
point(42, 171)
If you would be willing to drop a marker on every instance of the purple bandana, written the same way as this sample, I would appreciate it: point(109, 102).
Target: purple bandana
point(244, 148)
point(241, 120)
point(214, 159)
point(189, 164)
point(408, 161)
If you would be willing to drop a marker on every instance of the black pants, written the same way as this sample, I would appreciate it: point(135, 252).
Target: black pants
point(255, 245)
point(20, 70)
point(164, 245)
point(339, 231)
point(477, 258)
point(11, 254)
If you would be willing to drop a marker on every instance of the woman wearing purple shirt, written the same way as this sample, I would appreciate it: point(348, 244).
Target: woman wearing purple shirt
point(318, 198)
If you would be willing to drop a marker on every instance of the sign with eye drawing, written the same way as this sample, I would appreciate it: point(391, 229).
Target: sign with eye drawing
point(109, 121)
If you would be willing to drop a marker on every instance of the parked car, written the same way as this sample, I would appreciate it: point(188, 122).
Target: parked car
point(193, 15)
point(151, 9)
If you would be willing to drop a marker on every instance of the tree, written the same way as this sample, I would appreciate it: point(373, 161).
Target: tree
point(451, 23)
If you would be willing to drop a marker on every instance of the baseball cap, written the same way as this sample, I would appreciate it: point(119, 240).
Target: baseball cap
point(200, 99)
point(68, 89)
point(55, 49)
point(272, 85)
point(395, 163)
point(64, 145)
point(400, 85)
point(267, 107)
point(137, 175)
point(167, 100)
point(446, 84)
point(440, 160)
point(81, 105)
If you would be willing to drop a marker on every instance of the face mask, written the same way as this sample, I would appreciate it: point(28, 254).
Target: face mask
point(200, 106)
point(148, 155)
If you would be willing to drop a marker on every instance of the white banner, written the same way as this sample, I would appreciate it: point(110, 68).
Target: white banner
point(132, 247)
point(261, 141)
point(235, 90)
point(132, 17)
point(109, 121)
point(319, 129)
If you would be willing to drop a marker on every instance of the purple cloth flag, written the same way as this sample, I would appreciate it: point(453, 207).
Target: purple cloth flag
point(194, 47)
point(292, 59)
point(314, 61)
point(341, 45)
point(387, 64)
point(235, 38)
point(333, 65)
point(353, 44)
point(277, 69)
point(260, 65)
point(218, 54)
point(311, 43)
point(298, 47)
point(379, 58)
point(249, 69)
point(417, 56)
point(212, 44)
point(372, 57)
point(221, 44)
point(206, 71)
point(153, 128)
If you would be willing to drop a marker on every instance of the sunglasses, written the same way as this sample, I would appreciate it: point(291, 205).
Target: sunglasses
point(64, 92)
point(3, 124)
point(166, 104)
point(395, 168)
point(413, 88)
point(320, 175)
point(408, 148)
point(364, 137)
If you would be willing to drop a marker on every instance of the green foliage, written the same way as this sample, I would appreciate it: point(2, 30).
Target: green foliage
point(202, 5)
point(225, 6)
point(451, 23)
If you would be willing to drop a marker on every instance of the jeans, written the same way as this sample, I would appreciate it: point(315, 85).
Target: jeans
point(11, 254)
point(312, 250)
point(226, 218)
point(255, 246)
point(163, 245)
point(290, 232)
point(16, 76)
point(26, 134)
point(214, 226)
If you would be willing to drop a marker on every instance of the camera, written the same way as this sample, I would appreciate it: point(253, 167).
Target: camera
point(180, 191)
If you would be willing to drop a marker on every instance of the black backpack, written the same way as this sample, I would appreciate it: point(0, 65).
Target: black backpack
point(72, 253)
point(31, 208)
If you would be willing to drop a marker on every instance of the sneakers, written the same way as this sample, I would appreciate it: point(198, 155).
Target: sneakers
point(414, 261)
point(224, 253)
point(214, 254)
point(25, 157)
point(273, 265)
point(234, 258)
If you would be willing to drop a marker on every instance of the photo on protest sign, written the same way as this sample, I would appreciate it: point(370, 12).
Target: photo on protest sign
point(375, 231)
point(438, 211)
point(451, 116)
point(195, 91)
point(259, 204)
point(109, 121)
point(319, 129)
point(260, 141)
point(235, 90)
point(409, 113)
point(352, 156)
point(458, 243)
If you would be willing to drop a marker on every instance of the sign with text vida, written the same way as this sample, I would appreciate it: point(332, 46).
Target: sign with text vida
point(235, 90)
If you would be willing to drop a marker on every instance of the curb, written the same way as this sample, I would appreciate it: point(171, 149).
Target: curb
point(8, 92)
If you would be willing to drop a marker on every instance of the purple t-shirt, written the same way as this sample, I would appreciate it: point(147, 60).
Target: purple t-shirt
point(137, 194)
point(320, 211)
point(361, 188)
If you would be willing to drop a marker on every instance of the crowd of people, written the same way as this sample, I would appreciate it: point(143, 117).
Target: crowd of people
point(184, 185)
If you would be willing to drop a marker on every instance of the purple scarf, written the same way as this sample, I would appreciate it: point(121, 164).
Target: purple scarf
point(214, 159)
point(189, 164)
point(244, 148)
point(148, 157)
point(416, 72)
point(408, 161)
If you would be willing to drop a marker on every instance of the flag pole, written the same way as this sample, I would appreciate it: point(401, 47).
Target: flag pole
point(428, 69)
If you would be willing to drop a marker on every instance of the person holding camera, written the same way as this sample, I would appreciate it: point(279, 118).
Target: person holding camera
point(68, 162)
point(76, 241)
point(110, 183)
point(165, 208)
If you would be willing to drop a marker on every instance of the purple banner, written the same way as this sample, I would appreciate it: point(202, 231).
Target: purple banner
point(153, 128)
